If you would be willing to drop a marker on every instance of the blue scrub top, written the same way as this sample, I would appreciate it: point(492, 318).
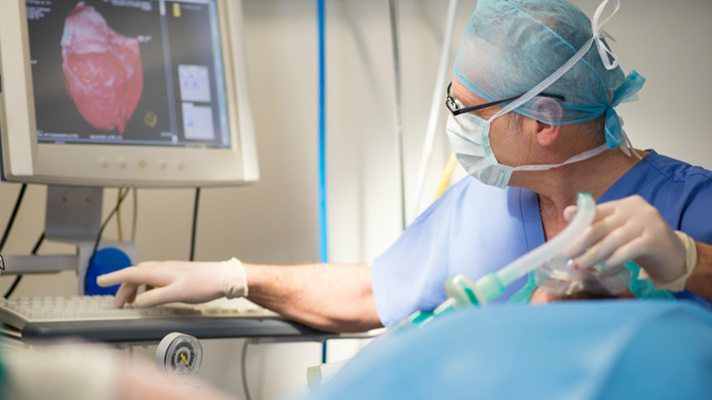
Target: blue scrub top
point(474, 229)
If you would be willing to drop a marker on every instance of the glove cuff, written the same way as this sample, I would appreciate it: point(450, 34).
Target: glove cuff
point(234, 279)
point(678, 285)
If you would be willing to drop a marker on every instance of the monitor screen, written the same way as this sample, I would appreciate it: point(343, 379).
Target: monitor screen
point(125, 93)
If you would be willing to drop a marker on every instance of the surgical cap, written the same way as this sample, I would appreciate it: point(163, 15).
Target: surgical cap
point(511, 46)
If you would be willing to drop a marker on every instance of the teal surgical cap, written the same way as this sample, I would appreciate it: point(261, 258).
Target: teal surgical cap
point(513, 47)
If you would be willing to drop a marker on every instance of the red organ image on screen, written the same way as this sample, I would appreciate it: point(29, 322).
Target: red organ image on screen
point(102, 69)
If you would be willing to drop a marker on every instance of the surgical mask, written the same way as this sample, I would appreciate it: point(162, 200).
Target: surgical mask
point(469, 138)
point(469, 134)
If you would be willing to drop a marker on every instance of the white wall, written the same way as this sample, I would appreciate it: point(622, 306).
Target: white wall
point(275, 220)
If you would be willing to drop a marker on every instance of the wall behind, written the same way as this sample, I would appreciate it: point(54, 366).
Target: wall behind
point(275, 220)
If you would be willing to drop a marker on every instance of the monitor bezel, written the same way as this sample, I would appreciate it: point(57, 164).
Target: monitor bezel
point(26, 160)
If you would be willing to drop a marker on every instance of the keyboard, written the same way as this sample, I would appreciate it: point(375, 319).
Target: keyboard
point(95, 318)
point(100, 308)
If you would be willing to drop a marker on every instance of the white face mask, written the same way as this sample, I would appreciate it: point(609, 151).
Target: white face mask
point(469, 138)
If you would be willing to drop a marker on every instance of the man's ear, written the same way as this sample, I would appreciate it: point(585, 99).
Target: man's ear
point(551, 111)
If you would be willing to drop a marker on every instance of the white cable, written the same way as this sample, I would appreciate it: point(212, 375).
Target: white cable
point(393, 8)
point(436, 107)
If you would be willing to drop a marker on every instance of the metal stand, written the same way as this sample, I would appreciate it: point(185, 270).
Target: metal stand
point(73, 215)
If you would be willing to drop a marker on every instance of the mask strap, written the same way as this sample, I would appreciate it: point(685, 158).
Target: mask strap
point(579, 157)
point(626, 146)
point(598, 36)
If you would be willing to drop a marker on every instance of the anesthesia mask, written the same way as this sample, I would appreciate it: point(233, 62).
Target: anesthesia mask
point(561, 277)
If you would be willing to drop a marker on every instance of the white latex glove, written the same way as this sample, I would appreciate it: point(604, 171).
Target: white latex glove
point(632, 229)
point(183, 281)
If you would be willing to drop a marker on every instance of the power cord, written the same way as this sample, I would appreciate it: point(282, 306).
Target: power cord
point(11, 221)
point(119, 228)
point(8, 228)
point(243, 364)
point(101, 232)
point(195, 224)
point(135, 215)
point(18, 278)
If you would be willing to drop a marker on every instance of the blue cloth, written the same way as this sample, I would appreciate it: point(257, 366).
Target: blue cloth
point(620, 349)
point(474, 229)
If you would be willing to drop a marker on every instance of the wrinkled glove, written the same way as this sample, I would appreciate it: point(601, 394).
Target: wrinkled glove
point(177, 281)
point(678, 285)
point(632, 229)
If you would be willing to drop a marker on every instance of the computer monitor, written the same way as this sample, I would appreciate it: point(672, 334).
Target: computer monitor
point(119, 93)
point(132, 93)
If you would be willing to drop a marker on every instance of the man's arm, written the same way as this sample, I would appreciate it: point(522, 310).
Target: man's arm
point(331, 297)
point(700, 281)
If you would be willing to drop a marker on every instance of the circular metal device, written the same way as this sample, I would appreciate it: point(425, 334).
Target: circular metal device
point(179, 355)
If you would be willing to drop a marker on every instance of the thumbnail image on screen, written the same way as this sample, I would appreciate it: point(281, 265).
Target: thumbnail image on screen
point(146, 72)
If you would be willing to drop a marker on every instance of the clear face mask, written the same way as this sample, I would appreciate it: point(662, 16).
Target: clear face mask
point(561, 277)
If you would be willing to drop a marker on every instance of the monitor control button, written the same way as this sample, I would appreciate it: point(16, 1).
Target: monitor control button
point(180, 164)
point(162, 164)
point(104, 162)
point(122, 162)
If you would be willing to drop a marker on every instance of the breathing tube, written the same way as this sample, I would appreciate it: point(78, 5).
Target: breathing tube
point(462, 292)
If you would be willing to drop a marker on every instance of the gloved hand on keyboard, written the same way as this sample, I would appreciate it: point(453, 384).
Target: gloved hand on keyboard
point(177, 281)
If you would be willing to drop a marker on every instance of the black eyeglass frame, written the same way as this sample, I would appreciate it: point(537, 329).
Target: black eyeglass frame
point(451, 103)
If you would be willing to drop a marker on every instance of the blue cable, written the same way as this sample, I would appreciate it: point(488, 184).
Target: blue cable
point(323, 240)
point(323, 237)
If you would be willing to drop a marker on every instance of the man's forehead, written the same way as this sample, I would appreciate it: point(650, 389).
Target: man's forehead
point(460, 93)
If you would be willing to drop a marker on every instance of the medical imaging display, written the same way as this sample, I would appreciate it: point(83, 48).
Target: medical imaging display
point(134, 72)
point(102, 69)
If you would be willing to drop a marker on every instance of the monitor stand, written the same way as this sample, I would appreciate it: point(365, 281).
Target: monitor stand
point(73, 216)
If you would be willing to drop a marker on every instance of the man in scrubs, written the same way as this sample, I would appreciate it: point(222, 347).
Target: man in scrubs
point(533, 120)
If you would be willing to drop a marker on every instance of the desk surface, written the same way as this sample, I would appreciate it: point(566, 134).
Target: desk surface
point(138, 330)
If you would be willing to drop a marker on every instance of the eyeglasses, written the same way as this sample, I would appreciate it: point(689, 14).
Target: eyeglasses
point(455, 109)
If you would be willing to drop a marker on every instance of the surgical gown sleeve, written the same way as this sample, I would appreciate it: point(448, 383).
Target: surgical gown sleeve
point(472, 229)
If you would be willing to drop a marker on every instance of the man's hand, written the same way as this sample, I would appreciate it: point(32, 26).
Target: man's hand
point(631, 229)
point(188, 282)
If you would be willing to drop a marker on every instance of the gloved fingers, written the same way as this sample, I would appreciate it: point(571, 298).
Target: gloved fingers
point(602, 211)
point(569, 212)
point(126, 294)
point(604, 222)
point(141, 274)
point(151, 264)
point(608, 244)
point(632, 250)
point(155, 297)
